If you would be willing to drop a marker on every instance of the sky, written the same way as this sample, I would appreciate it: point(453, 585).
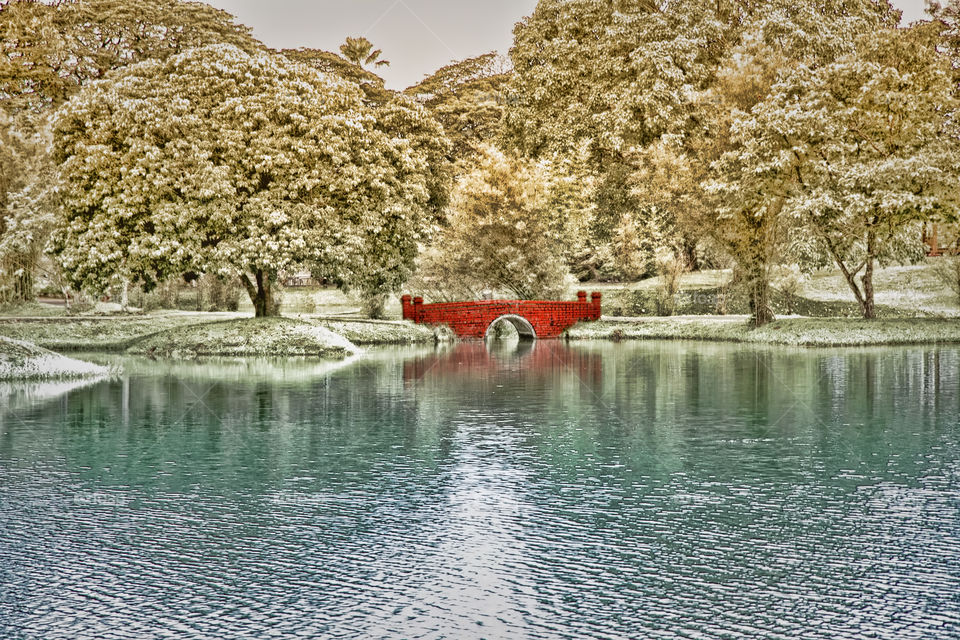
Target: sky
point(417, 36)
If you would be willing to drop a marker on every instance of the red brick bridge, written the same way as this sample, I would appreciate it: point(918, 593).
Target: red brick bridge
point(532, 318)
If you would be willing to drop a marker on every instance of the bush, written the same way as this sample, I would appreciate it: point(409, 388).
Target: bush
point(790, 281)
point(671, 266)
point(947, 270)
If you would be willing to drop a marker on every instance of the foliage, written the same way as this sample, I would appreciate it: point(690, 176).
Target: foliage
point(26, 201)
point(332, 63)
point(505, 233)
point(397, 116)
point(670, 267)
point(360, 52)
point(716, 175)
point(790, 279)
point(49, 49)
point(597, 81)
point(607, 75)
point(948, 15)
point(948, 272)
point(467, 98)
point(872, 149)
point(221, 161)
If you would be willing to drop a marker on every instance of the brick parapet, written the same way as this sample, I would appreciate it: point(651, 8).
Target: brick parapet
point(549, 318)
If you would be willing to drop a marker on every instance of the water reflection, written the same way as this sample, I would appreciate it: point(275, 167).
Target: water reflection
point(543, 491)
point(479, 363)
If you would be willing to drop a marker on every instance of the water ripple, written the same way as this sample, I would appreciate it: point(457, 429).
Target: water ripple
point(624, 492)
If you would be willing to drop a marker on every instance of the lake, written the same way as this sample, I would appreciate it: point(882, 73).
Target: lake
point(596, 490)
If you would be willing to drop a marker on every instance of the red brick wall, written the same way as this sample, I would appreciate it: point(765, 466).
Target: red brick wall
point(471, 319)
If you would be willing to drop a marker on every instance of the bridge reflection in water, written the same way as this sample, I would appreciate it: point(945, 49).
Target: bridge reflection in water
point(495, 361)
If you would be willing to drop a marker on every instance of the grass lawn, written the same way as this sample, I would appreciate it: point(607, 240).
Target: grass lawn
point(901, 292)
point(246, 337)
point(192, 333)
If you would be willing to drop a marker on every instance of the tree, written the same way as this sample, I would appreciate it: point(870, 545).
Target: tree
point(26, 202)
point(717, 175)
point(360, 52)
point(504, 232)
point(597, 80)
point(948, 15)
point(329, 62)
point(873, 146)
point(608, 75)
point(217, 160)
point(48, 50)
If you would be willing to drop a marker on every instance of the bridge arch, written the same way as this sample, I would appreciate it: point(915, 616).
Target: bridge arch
point(521, 324)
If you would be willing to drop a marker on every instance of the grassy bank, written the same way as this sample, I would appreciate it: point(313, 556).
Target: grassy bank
point(165, 334)
point(807, 332)
point(24, 361)
point(104, 333)
point(373, 332)
point(246, 337)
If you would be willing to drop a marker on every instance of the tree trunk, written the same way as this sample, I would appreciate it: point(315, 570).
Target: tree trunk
point(689, 253)
point(866, 304)
point(261, 293)
point(23, 286)
point(759, 288)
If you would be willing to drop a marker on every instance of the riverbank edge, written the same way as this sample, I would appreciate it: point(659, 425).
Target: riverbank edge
point(791, 331)
point(23, 361)
point(165, 332)
point(337, 338)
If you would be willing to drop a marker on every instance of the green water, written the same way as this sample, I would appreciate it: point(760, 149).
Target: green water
point(595, 491)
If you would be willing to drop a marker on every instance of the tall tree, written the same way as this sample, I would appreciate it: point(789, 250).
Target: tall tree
point(873, 146)
point(596, 80)
point(48, 50)
point(217, 160)
point(713, 172)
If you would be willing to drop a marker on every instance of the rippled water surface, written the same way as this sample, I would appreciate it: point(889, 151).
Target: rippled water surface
point(593, 491)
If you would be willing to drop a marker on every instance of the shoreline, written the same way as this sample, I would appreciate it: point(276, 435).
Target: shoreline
point(30, 348)
point(792, 331)
point(22, 361)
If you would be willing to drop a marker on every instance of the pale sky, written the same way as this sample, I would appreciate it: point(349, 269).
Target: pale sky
point(417, 36)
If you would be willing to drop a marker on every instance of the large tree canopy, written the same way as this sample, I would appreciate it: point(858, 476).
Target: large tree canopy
point(603, 76)
point(49, 49)
point(217, 160)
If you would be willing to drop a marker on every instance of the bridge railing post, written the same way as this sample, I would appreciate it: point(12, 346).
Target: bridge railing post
point(406, 303)
point(418, 309)
point(595, 298)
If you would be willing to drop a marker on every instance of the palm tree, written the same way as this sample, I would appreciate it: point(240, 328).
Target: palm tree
point(360, 52)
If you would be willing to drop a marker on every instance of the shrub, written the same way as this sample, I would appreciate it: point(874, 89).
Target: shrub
point(947, 270)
